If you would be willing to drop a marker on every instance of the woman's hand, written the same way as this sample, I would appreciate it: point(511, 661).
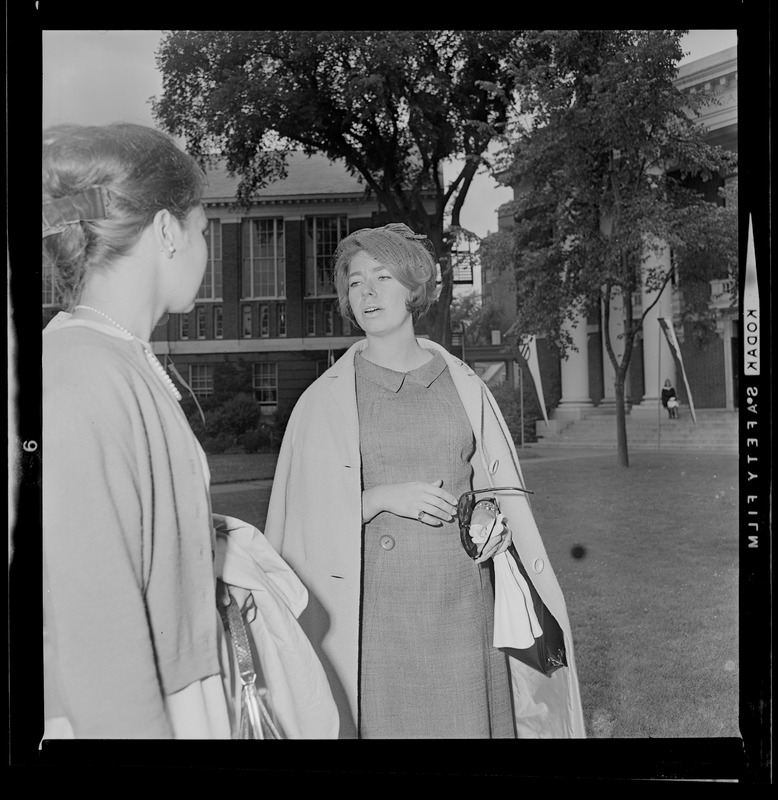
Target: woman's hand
point(500, 538)
point(427, 502)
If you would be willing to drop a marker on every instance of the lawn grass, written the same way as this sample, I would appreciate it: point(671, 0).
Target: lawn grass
point(651, 588)
point(228, 467)
point(653, 603)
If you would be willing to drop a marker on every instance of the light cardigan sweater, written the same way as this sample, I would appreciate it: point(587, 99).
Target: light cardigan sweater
point(129, 585)
point(315, 522)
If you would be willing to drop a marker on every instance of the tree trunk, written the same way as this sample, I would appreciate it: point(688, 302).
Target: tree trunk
point(621, 418)
point(442, 326)
point(440, 329)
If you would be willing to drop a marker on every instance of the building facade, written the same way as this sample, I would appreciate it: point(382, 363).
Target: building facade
point(584, 381)
point(268, 305)
point(267, 302)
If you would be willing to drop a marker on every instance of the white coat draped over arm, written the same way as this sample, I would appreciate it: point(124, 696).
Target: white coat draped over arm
point(296, 683)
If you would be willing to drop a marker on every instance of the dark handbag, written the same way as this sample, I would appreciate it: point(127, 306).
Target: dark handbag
point(548, 653)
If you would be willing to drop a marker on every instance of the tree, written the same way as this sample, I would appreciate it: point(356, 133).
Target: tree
point(394, 106)
point(607, 154)
point(478, 316)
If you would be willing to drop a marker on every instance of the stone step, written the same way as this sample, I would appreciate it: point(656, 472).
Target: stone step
point(577, 429)
point(715, 431)
point(675, 425)
point(641, 435)
point(695, 448)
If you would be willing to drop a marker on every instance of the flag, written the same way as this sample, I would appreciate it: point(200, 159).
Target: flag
point(529, 352)
point(675, 349)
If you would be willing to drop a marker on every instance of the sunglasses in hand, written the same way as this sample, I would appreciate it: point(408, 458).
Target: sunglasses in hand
point(465, 507)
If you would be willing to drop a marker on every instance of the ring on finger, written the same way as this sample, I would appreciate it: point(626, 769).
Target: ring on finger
point(420, 516)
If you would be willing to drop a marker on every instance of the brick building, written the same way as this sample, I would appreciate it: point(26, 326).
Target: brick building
point(267, 302)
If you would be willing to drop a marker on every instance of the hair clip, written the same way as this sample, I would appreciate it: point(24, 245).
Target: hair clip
point(87, 206)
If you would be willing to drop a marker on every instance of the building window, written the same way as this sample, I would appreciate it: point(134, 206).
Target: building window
point(310, 319)
point(211, 287)
point(47, 296)
point(281, 310)
point(201, 379)
point(200, 322)
point(265, 384)
point(322, 235)
point(264, 321)
point(246, 322)
point(264, 258)
point(183, 326)
point(218, 322)
point(329, 320)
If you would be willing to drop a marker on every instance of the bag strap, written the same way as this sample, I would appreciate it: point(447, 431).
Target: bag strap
point(255, 716)
point(233, 621)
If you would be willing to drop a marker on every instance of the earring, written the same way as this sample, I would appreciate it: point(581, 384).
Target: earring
point(170, 251)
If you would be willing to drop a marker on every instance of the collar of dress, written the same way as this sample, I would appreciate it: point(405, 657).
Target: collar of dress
point(390, 379)
point(345, 364)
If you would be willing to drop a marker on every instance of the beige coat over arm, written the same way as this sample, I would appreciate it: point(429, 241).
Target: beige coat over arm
point(315, 522)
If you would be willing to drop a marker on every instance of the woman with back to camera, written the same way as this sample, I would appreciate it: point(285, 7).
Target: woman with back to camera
point(133, 644)
point(364, 502)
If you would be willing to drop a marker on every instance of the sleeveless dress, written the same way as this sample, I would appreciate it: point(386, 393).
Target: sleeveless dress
point(427, 665)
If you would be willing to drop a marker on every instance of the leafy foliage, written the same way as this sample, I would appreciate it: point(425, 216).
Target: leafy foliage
point(510, 403)
point(394, 106)
point(607, 154)
point(480, 317)
point(233, 417)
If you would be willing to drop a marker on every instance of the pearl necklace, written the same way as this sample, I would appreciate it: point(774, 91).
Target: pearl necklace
point(152, 359)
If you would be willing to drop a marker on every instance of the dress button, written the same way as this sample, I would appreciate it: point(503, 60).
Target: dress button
point(538, 565)
point(387, 542)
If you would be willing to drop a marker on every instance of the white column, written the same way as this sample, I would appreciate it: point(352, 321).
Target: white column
point(658, 362)
point(575, 374)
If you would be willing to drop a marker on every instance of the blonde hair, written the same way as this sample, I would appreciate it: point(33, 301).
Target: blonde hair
point(408, 256)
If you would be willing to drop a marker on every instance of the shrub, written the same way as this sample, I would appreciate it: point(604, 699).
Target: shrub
point(234, 417)
point(258, 441)
point(214, 445)
point(278, 425)
point(508, 400)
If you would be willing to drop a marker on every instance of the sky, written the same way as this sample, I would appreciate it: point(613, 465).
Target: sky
point(97, 77)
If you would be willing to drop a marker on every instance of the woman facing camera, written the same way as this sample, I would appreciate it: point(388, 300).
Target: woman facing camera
point(364, 507)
